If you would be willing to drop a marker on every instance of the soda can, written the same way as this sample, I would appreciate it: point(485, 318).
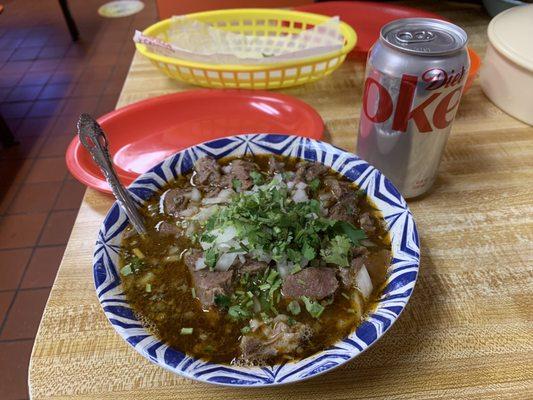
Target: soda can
point(414, 79)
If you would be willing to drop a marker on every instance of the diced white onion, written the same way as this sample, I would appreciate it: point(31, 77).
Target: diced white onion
point(223, 197)
point(301, 185)
point(195, 195)
point(188, 212)
point(226, 169)
point(225, 235)
point(257, 305)
point(299, 196)
point(290, 184)
point(241, 258)
point(285, 268)
point(225, 261)
point(205, 213)
point(199, 264)
point(363, 282)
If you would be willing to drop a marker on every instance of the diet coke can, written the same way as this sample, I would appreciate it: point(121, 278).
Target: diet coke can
point(415, 75)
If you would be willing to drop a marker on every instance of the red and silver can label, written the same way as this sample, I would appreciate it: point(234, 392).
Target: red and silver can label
point(414, 80)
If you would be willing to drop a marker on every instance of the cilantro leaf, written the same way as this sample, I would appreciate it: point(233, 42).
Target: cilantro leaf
point(211, 257)
point(257, 178)
point(308, 251)
point(237, 184)
point(314, 184)
point(354, 234)
point(337, 251)
point(294, 307)
point(222, 301)
point(314, 308)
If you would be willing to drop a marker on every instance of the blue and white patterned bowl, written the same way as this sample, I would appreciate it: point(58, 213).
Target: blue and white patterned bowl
point(400, 282)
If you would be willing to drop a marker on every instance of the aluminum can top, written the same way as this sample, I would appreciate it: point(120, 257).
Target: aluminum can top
point(424, 36)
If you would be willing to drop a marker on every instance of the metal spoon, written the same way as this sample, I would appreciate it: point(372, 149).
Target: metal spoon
point(94, 140)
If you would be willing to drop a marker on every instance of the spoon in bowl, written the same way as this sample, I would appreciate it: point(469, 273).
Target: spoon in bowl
point(93, 138)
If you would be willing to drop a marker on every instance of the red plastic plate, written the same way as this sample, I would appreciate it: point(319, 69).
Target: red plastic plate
point(366, 18)
point(142, 134)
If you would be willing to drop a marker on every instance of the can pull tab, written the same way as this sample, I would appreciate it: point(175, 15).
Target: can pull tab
point(415, 36)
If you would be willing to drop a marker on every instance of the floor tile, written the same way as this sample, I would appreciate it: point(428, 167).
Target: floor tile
point(107, 104)
point(33, 41)
point(15, 66)
point(44, 65)
point(45, 108)
point(5, 301)
point(35, 78)
point(24, 93)
point(56, 90)
point(53, 51)
point(47, 170)
point(98, 73)
point(20, 230)
point(35, 198)
point(13, 171)
point(58, 227)
point(5, 54)
point(7, 194)
point(10, 79)
point(55, 145)
point(38, 126)
point(66, 125)
point(25, 314)
point(27, 147)
point(14, 362)
point(76, 106)
point(25, 54)
point(15, 110)
point(61, 76)
point(83, 88)
point(70, 196)
point(12, 267)
point(43, 266)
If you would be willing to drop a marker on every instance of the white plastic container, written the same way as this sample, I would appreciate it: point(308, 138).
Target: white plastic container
point(506, 75)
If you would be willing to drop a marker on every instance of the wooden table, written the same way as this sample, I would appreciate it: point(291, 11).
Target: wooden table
point(468, 329)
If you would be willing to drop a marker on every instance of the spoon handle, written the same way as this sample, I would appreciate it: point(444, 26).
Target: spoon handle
point(94, 140)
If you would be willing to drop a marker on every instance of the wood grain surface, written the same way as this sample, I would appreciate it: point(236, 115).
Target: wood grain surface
point(467, 332)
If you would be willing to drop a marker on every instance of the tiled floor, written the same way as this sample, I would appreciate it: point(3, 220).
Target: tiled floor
point(46, 81)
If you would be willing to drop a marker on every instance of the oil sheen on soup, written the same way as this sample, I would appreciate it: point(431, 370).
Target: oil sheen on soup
point(256, 260)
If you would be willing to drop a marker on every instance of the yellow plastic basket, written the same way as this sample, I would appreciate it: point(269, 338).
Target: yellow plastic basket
point(251, 21)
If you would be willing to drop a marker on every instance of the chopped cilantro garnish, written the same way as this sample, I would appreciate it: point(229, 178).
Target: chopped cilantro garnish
point(237, 312)
point(257, 178)
point(337, 252)
point(246, 329)
point(294, 307)
point(138, 253)
point(193, 292)
point(222, 301)
point(354, 234)
point(237, 184)
point(314, 308)
point(314, 184)
point(148, 288)
point(211, 257)
point(126, 270)
point(186, 331)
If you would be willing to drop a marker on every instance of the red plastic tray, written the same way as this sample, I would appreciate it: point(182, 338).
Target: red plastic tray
point(142, 134)
point(366, 18)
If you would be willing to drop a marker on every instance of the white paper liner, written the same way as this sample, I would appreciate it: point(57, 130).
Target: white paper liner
point(192, 40)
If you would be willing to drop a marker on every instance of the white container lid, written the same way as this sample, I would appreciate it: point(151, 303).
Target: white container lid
point(511, 33)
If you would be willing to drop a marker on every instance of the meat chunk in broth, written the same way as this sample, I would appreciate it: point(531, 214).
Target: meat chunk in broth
point(207, 171)
point(280, 336)
point(315, 283)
